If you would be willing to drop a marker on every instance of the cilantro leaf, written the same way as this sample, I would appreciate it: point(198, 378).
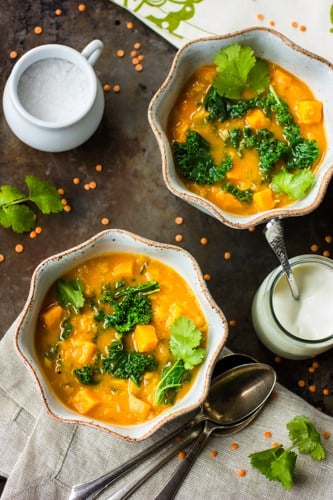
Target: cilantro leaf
point(44, 195)
point(9, 194)
point(70, 294)
point(184, 341)
point(18, 217)
point(239, 69)
point(296, 185)
point(283, 468)
point(262, 460)
point(303, 434)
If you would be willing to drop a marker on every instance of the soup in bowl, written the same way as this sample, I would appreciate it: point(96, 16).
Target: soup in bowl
point(125, 334)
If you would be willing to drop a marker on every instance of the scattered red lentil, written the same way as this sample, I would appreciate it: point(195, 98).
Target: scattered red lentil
point(312, 388)
point(241, 472)
point(302, 28)
point(141, 57)
point(207, 277)
point(138, 67)
point(137, 45)
point(38, 30)
point(63, 201)
point(213, 454)
point(19, 248)
point(326, 253)
point(92, 185)
point(67, 208)
point(181, 455)
point(130, 26)
point(58, 12)
point(315, 364)
point(267, 434)
point(328, 238)
point(116, 88)
point(252, 228)
point(135, 60)
point(105, 221)
point(99, 167)
point(311, 369)
point(38, 229)
point(86, 186)
point(61, 191)
point(326, 434)
point(106, 87)
point(203, 240)
point(232, 322)
point(32, 235)
point(133, 53)
point(179, 237)
point(326, 391)
point(260, 17)
point(13, 54)
point(277, 359)
point(120, 53)
point(275, 445)
point(314, 248)
point(76, 180)
point(234, 446)
point(227, 255)
point(179, 220)
point(82, 7)
point(294, 24)
point(272, 23)
point(2, 257)
point(301, 383)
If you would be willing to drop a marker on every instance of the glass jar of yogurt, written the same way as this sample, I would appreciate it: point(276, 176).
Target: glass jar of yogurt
point(296, 329)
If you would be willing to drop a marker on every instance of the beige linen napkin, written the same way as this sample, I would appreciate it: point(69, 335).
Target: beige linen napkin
point(43, 458)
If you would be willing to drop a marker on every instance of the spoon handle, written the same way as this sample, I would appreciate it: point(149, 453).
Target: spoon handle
point(273, 232)
point(129, 488)
point(89, 490)
point(170, 489)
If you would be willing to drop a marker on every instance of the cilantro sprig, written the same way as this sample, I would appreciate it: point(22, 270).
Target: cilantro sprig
point(278, 464)
point(15, 212)
point(184, 344)
point(239, 69)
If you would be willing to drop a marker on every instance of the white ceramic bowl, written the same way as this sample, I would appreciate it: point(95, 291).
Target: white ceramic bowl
point(115, 240)
point(267, 44)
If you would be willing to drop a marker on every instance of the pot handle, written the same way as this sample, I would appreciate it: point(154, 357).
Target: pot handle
point(92, 51)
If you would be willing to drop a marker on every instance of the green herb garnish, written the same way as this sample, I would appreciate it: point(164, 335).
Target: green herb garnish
point(278, 464)
point(70, 294)
point(184, 344)
point(14, 210)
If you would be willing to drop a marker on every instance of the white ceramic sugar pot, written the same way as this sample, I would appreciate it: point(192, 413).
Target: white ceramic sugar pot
point(53, 100)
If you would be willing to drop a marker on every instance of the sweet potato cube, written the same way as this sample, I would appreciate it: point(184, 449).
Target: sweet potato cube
point(123, 269)
point(82, 351)
point(309, 112)
point(139, 408)
point(52, 316)
point(84, 400)
point(264, 200)
point(257, 119)
point(145, 338)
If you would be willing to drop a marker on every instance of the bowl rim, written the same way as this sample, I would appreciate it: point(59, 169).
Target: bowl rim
point(44, 388)
point(237, 222)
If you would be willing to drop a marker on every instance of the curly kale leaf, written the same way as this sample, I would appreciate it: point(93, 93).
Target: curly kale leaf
point(195, 163)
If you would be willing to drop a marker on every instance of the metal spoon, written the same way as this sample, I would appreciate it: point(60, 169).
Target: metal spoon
point(234, 399)
point(89, 490)
point(273, 232)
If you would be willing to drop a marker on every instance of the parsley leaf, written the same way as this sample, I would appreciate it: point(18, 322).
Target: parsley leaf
point(15, 214)
point(239, 69)
point(278, 463)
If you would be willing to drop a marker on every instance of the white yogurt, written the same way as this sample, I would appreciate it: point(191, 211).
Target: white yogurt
point(296, 329)
point(310, 317)
point(53, 90)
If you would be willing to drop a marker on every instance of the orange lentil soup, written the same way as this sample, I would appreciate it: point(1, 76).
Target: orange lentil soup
point(189, 113)
point(75, 341)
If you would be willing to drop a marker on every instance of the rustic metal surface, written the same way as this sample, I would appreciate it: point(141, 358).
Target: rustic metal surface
point(130, 189)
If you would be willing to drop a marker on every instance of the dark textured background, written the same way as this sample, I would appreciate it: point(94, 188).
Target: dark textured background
point(130, 189)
